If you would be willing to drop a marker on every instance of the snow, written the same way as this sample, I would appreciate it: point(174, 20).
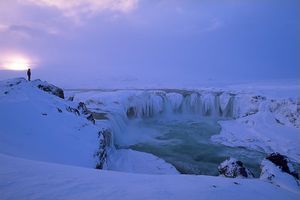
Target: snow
point(26, 179)
point(138, 162)
point(272, 173)
point(32, 127)
point(261, 131)
point(48, 154)
point(234, 168)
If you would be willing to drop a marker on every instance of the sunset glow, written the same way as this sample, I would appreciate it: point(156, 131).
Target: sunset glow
point(16, 63)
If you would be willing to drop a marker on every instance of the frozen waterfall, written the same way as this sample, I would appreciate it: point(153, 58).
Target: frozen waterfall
point(153, 103)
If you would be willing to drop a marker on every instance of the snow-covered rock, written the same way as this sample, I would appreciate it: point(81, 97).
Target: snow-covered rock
point(47, 87)
point(262, 127)
point(286, 111)
point(105, 145)
point(283, 163)
point(233, 168)
point(273, 174)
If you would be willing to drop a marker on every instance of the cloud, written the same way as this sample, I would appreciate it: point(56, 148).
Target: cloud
point(19, 31)
point(86, 8)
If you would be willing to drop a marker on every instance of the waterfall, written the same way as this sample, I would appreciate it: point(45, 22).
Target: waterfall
point(154, 103)
point(125, 106)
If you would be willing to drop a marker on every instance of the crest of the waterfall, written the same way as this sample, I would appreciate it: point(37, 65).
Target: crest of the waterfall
point(153, 103)
point(146, 104)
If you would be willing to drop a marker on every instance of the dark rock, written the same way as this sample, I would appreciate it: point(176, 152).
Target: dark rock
point(59, 110)
point(71, 98)
point(279, 122)
point(52, 89)
point(131, 112)
point(91, 118)
point(283, 163)
point(105, 140)
point(234, 168)
point(259, 98)
point(6, 92)
point(86, 112)
point(275, 175)
point(82, 108)
point(44, 114)
point(73, 110)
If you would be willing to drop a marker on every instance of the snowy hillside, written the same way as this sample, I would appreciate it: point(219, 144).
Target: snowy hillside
point(37, 125)
point(26, 179)
point(51, 141)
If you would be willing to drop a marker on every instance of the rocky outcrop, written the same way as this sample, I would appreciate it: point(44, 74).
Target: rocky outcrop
point(233, 168)
point(82, 108)
point(286, 111)
point(84, 111)
point(105, 140)
point(51, 89)
point(73, 110)
point(274, 174)
point(283, 163)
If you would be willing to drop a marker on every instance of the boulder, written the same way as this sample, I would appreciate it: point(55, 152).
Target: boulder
point(275, 175)
point(233, 168)
point(283, 163)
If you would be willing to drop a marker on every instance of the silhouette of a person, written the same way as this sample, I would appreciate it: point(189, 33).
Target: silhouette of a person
point(29, 74)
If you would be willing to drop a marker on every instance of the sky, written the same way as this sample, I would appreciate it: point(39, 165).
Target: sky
point(110, 43)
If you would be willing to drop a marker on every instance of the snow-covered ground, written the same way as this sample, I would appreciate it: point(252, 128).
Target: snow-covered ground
point(42, 135)
point(26, 179)
point(36, 125)
point(265, 123)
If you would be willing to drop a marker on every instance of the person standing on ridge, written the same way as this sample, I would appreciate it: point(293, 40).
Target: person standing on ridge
point(29, 74)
